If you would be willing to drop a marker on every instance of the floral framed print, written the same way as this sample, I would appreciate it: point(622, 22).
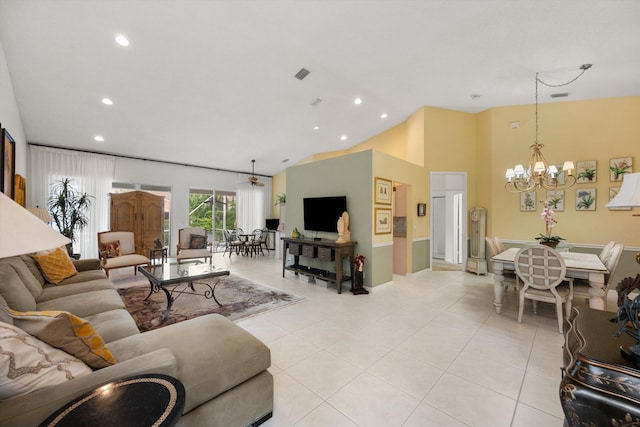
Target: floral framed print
point(586, 199)
point(586, 171)
point(618, 167)
point(613, 192)
point(555, 199)
point(7, 163)
point(383, 221)
point(528, 201)
point(383, 191)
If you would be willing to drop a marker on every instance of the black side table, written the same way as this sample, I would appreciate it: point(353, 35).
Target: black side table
point(140, 401)
point(158, 253)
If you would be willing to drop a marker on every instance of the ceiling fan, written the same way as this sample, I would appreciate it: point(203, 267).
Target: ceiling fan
point(253, 179)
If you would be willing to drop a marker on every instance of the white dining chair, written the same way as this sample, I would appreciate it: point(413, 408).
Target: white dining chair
point(610, 259)
point(542, 270)
point(510, 277)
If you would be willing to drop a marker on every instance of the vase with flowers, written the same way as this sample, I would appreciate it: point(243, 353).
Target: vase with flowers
point(546, 238)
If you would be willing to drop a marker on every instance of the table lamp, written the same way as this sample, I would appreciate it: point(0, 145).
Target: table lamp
point(22, 232)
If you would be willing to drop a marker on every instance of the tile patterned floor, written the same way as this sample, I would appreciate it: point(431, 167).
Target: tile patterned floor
point(427, 349)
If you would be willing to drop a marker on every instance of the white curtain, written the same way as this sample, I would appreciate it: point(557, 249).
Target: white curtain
point(91, 174)
point(253, 204)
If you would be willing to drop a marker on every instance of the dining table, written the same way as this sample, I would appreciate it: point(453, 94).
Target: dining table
point(579, 266)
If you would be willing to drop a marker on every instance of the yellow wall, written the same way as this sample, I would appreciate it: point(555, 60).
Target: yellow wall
point(598, 130)
point(278, 186)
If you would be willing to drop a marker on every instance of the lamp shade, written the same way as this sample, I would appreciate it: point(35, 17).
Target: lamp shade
point(629, 194)
point(23, 233)
point(41, 213)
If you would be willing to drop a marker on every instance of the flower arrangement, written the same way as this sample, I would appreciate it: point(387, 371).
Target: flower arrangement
point(547, 216)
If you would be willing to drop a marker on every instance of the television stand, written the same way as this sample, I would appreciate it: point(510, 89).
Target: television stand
point(324, 251)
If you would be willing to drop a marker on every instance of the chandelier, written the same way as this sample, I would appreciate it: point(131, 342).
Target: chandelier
point(539, 174)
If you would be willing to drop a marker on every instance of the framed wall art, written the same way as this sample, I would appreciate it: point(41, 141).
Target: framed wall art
point(555, 199)
point(618, 167)
point(586, 199)
point(383, 190)
point(586, 171)
point(613, 192)
point(7, 163)
point(528, 201)
point(383, 221)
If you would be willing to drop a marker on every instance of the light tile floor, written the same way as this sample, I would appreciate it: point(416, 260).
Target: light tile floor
point(427, 349)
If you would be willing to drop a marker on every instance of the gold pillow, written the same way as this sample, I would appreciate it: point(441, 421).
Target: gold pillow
point(67, 332)
point(55, 264)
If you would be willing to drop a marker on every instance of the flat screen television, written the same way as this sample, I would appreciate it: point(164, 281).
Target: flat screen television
point(272, 223)
point(322, 213)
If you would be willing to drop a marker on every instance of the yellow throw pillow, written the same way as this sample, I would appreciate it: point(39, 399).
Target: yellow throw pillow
point(67, 332)
point(55, 265)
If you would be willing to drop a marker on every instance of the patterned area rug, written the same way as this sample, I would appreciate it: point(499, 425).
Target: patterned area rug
point(240, 298)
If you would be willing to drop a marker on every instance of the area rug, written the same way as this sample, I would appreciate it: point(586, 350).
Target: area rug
point(240, 298)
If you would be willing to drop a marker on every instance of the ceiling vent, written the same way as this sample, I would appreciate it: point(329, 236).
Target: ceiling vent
point(560, 95)
point(302, 73)
point(316, 102)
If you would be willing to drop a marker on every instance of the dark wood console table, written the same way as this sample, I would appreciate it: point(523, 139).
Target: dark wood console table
point(599, 387)
point(320, 250)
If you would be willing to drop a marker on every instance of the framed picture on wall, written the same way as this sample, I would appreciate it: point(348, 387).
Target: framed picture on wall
point(383, 191)
point(586, 171)
point(619, 167)
point(383, 221)
point(7, 163)
point(613, 192)
point(528, 201)
point(555, 199)
point(586, 199)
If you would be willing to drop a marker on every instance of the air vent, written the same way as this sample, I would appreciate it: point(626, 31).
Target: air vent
point(302, 73)
point(560, 95)
point(316, 102)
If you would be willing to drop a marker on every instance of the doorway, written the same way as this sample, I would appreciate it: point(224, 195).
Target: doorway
point(448, 220)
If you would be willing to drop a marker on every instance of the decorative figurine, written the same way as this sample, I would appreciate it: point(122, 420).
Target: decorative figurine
point(158, 243)
point(357, 282)
point(344, 235)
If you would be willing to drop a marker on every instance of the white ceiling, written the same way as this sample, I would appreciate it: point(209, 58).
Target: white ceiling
point(211, 83)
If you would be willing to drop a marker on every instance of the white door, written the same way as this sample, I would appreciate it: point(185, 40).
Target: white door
point(439, 218)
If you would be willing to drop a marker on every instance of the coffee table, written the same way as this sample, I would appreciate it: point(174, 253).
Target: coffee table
point(177, 279)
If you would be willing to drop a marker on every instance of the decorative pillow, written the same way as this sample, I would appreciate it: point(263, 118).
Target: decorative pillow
point(28, 364)
point(109, 249)
point(197, 241)
point(68, 332)
point(55, 264)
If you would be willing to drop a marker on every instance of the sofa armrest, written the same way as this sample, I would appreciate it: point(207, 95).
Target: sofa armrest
point(87, 264)
point(33, 408)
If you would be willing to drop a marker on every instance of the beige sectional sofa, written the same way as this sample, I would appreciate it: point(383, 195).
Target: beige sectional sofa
point(223, 367)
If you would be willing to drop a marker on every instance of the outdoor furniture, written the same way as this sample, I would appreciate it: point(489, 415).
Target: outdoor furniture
point(232, 243)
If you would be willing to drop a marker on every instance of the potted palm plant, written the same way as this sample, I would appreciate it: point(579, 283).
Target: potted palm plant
point(68, 208)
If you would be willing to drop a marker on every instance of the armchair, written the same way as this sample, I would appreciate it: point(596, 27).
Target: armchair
point(116, 249)
point(192, 244)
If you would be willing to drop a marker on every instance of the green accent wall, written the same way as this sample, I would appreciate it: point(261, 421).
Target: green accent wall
point(382, 264)
point(421, 255)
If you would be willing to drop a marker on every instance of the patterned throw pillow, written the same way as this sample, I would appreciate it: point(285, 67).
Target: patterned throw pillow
point(109, 249)
point(28, 364)
point(67, 332)
point(197, 241)
point(55, 264)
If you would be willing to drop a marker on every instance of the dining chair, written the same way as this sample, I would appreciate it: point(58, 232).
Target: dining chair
point(610, 259)
point(255, 242)
point(542, 270)
point(510, 276)
point(232, 243)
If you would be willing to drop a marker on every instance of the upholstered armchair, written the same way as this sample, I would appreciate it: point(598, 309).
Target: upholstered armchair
point(116, 249)
point(192, 244)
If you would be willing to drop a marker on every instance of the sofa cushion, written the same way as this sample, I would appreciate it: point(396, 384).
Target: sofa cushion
point(68, 332)
point(55, 264)
point(126, 261)
point(113, 325)
point(28, 364)
point(25, 274)
point(197, 242)
point(14, 292)
point(4, 314)
point(32, 265)
point(68, 289)
point(109, 249)
point(84, 304)
point(83, 277)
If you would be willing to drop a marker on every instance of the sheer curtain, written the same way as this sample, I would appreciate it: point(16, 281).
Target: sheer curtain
point(90, 173)
point(253, 204)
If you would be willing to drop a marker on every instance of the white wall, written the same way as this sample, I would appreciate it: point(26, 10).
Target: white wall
point(10, 116)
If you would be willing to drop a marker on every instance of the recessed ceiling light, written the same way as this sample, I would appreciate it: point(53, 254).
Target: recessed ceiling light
point(383, 116)
point(343, 138)
point(285, 160)
point(475, 96)
point(122, 40)
point(99, 138)
point(107, 101)
point(316, 127)
point(357, 101)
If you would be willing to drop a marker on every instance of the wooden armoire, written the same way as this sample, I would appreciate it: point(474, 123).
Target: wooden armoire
point(142, 213)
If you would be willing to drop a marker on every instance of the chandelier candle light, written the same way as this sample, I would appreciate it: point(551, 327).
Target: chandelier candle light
point(539, 173)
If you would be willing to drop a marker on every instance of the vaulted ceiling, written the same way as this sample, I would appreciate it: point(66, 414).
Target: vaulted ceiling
point(211, 83)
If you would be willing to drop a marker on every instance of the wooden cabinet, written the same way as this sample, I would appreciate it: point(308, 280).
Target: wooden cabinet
point(599, 387)
point(142, 213)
